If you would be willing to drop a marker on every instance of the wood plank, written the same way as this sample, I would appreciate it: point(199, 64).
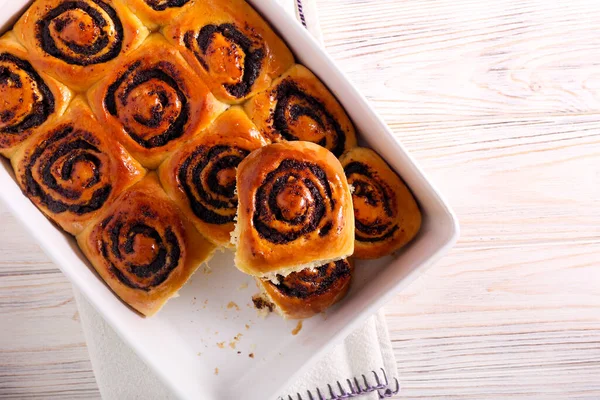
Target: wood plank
point(500, 323)
point(42, 350)
point(517, 183)
point(498, 102)
point(421, 60)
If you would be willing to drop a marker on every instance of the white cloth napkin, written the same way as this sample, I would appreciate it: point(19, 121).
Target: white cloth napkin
point(366, 352)
point(364, 360)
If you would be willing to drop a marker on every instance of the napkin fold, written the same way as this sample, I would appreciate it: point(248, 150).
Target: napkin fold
point(362, 367)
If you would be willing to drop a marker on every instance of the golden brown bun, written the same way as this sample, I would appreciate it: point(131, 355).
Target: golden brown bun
point(311, 291)
point(294, 211)
point(200, 176)
point(71, 169)
point(298, 106)
point(29, 98)
point(232, 48)
point(51, 30)
point(153, 102)
point(387, 215)
point(143, 247)
point(155, 13)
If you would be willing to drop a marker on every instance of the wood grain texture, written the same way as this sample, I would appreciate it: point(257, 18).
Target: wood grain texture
point(500, 104)
point(42, 350)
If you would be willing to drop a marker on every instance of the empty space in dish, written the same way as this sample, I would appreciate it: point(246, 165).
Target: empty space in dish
point(193, 343)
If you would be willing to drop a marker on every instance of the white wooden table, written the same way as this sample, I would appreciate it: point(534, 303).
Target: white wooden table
point(500, 103)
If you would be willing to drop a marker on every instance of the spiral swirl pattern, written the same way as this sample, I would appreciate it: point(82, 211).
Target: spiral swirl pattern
point(294, 103)
point(244, 56)
point(150, 103)
point(68, 172)
point(379, 197)
point(140, 251)
point(81, 32)
point(161, 5)
point(313, 282)
point(293, 200)
point(208, 179)
point(27, 100)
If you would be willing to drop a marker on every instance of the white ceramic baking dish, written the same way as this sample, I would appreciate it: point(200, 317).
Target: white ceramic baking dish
point(195, 334)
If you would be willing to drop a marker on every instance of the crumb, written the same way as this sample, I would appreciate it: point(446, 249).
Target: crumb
point(236, 339)
point(251, 355)
point(216, 371)
point(247, 326)
point(239, 352)
point(199, 354)
point(298, 328)
point(233, 305)
point(221, 345)
point(207, 270)
point(243, 286)
point(263, 305)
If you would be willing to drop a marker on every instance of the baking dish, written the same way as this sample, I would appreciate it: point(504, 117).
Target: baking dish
point(209, 343)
